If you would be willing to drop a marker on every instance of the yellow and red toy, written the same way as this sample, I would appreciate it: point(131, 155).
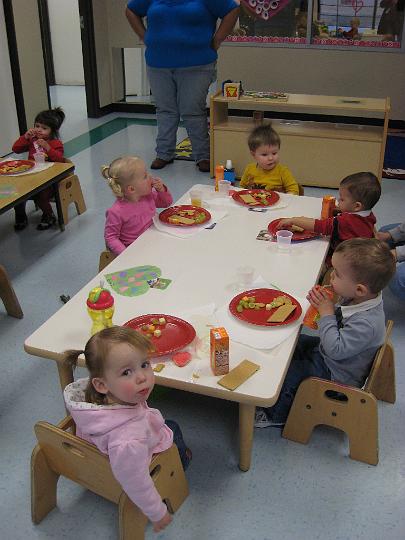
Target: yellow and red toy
point(100, 307)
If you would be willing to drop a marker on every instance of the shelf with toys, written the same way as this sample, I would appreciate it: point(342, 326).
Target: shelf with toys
point(318, 153)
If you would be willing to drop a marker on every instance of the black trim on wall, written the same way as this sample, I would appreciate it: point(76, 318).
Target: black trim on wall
point(89, 58)
point(46, 43)
point(15, 65)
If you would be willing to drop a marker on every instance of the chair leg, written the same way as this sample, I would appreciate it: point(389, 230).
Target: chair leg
point(299, 425)
point(43, 486)
point(363, 439)
point(384, 385)
point(8, 296)
point(132, 521)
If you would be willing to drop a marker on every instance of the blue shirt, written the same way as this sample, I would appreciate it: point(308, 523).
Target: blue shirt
point(179, 32)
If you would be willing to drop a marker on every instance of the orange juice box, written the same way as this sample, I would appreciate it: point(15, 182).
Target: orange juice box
point(328, 206)
point(312, 315)
point(219, 341)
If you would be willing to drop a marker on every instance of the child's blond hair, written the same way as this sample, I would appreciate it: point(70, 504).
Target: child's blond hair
point(96, 354)
point(263, 135)
point(371, 262)
point(120, 172)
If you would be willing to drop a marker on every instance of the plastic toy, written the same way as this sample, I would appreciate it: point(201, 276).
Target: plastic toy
point(100, 307)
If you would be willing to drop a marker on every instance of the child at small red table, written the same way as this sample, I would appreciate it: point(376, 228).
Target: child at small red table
point(138, 195)
point(267, 173)
point(358, 194)
point(110, 410)
point(43, 138)
point(350, 332)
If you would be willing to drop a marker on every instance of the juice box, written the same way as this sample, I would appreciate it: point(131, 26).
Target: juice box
point(328, 206)
point(219, 341)
point(219, 175)
point(312, 315)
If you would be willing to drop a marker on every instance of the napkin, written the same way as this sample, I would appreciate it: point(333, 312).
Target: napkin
point(256, 336)
point(184, 232)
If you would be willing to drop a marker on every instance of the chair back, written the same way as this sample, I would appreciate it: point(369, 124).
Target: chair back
point(381, 379)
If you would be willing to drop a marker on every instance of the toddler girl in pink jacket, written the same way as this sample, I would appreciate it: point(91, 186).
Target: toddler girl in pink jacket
point(110, 411)
point(138, 195)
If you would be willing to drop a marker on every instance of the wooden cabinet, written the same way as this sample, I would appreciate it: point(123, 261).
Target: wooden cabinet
point(318, 153)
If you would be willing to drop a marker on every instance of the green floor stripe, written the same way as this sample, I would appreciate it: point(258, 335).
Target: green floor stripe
point(82, 142)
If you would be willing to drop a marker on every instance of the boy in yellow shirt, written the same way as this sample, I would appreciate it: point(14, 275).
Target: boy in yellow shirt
point(267, 172)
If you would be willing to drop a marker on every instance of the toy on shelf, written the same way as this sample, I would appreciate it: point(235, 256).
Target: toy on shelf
point(353, 33)
point(232, 90)
point(275, 96)
point(100, 307)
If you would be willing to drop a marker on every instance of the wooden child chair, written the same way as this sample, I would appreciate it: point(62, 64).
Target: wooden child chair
point(352, 410)
point(60, 453)
point(70, 192)
point(105, 258)
point(8, 295)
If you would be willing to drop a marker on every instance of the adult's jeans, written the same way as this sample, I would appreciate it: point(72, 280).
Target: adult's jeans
point(181, 93)
point(397, 283)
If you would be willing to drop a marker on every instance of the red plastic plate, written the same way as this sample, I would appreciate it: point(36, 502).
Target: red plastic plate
point(296, 237)
point(271, 197)
point(176, 333)
point(259, 317)
point(13, 164)
point(164, 216)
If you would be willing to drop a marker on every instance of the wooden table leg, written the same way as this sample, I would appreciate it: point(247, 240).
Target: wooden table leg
point(65, 374)
point(8, 295)
point(58, 206)
point(246, 425)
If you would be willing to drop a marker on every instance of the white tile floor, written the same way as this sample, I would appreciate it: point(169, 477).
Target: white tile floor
point(292, 491)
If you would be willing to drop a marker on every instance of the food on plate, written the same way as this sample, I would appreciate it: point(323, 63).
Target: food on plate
point(282, 313)
point(296, 228)
point(157, 333)
point(278, 301)
point(151, 329)
point(248, 199)
point(4, 169)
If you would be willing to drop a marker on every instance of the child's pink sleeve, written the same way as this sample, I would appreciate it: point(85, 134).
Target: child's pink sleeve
point(130, 465)
point(163, 199)
point(112, 232)
point(21, 145)
point(324, 226)
point(55, 153)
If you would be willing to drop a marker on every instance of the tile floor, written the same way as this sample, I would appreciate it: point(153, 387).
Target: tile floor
point(291, 492)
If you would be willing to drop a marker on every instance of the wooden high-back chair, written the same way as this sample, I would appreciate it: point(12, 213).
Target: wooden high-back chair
point(60, 453)
point(106, 257)
point(70, 192)
point(352, 410)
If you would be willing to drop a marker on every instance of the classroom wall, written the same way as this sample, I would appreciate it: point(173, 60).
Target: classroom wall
point(64, 24)
point(8, 114)
point(29, 44)
point(309, 71)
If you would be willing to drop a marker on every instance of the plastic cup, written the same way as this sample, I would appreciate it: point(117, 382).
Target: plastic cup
point(39, 157)
point(284, 239)
point(224, 187)
point(245, 275)
point(196, 197)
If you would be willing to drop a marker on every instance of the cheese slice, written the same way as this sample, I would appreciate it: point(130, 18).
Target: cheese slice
point(248, 199)
point(181, 219)
point(282, 313)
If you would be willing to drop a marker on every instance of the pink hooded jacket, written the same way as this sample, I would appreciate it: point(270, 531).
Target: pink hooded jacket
point(129, 435)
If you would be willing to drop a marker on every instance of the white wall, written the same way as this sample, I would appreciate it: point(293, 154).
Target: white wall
point(8, 114)
point(66, 41)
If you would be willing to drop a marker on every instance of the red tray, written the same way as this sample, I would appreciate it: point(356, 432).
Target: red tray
point(176, 333)
point(272, 197)
point(296, 237)
point(16, 163)
point(163, 216)
point(259, 317)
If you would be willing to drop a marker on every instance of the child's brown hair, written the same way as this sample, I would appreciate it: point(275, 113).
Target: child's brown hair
point(363, 187)
point(96, 354)
point(371, 262)
point(263, 135)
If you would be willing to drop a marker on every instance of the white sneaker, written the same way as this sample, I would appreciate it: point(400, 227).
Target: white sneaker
point(263, 421)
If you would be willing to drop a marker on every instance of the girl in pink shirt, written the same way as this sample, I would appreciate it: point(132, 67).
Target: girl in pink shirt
point(110, 411)
point(138, 195)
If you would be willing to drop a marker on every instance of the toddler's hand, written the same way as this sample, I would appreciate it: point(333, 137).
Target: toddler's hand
point(394, 254)
point(285, 223)
point(43, 144)
point(158, 184)
point(383, 236)
point(319, 299)
point(162, 523)
point(30, 134)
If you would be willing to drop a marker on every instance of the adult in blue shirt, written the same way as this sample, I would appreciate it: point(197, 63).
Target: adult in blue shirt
point(181, 41)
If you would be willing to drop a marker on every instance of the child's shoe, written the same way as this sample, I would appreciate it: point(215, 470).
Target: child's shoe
point(20, 224)
point(47, 221)
point(262, 420)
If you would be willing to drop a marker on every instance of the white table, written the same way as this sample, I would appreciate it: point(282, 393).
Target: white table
point(202, 269)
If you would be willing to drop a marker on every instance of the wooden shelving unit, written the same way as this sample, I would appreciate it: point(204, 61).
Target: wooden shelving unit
point(318, 153)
